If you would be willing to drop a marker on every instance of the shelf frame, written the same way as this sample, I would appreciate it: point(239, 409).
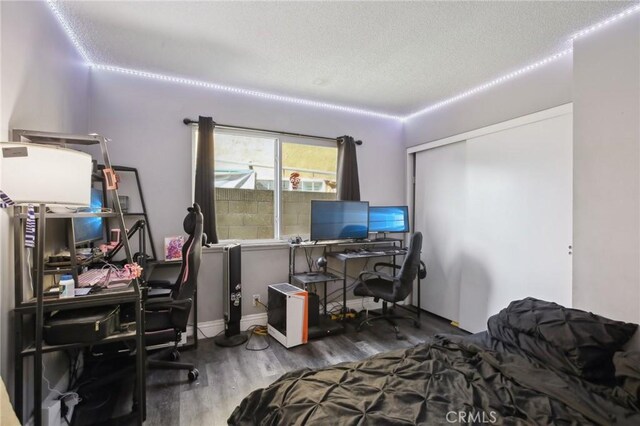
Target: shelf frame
point(38, 305)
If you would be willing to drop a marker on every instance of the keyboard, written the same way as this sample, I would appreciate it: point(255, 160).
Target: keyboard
point(99, 277)
point(92, 277)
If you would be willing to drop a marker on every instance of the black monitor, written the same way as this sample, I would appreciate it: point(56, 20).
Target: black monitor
point(89, 229)
point(384, 219)
point(339, 220)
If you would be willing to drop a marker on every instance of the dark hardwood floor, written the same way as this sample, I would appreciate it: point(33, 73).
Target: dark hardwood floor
point(227, 375)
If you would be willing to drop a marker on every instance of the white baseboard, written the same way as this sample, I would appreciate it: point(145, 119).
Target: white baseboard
point(213, 328)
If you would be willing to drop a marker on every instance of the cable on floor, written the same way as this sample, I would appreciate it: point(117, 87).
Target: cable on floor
point(259, 330)
point(202, 332)
point(70, 398)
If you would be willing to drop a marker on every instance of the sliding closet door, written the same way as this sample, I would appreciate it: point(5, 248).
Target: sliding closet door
point(440, 216)
point(518, 216)
point(496, 214)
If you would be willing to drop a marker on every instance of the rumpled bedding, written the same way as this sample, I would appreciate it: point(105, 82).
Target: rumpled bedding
point(448, 380)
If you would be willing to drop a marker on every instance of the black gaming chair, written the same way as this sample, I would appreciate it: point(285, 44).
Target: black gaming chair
point(393, 288)
point(166, 317)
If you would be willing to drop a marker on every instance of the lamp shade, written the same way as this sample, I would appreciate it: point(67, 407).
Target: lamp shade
point(41, 174)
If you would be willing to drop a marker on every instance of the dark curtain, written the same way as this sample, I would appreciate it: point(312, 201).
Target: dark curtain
point(347, 179)
point(205, 178)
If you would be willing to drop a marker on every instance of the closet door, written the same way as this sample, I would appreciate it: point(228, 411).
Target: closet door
point(440, 216)
point(518, 219)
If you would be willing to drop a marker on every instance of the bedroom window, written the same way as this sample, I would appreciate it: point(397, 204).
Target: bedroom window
point(265, 183)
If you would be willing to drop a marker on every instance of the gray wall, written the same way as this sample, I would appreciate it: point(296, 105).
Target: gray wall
point(44, 86)
point(543, 88)
point(144, 119)
point(606, 260)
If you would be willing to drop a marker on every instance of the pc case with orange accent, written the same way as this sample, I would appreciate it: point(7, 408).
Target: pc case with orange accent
point(287, 314)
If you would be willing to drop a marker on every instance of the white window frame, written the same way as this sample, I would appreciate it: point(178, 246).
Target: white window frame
point(277, 183)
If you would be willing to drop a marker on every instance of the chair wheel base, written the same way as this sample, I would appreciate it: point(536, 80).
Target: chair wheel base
point(174, 356)
point(193, 375)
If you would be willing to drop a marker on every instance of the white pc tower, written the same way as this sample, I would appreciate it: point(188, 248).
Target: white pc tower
point(287, 314)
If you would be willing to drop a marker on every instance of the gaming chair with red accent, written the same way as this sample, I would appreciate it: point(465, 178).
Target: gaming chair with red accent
point(166, 317)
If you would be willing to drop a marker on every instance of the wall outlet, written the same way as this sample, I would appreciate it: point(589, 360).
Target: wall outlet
point(256, 299)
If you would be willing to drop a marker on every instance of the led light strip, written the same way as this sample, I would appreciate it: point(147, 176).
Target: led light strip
point(606, 22)
point(67, 29)
point(241, 91)
point(491, 84)
point(528, 68)
point(307, 102)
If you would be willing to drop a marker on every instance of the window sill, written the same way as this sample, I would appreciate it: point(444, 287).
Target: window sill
point(249, 245)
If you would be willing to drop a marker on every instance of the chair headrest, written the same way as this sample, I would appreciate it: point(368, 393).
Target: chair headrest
point(190, 220)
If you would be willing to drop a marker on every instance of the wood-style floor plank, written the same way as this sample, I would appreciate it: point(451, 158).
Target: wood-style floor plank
point(227, 375)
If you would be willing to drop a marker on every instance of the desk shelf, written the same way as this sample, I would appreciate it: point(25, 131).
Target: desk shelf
point(117, 337)
point(319, 277)
point(106, 297)
point(70, 215)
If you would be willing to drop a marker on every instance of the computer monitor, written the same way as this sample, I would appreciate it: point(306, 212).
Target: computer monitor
point(339, 220)
point(89, 229)
point(383, 219)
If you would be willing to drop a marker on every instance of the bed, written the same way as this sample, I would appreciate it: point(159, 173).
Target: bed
point(538, 363)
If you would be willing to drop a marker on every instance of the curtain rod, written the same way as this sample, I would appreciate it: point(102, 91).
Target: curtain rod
point(189, 121)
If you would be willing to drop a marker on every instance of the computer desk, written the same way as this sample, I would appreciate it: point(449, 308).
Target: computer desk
point(106, 297)
point(345, 257)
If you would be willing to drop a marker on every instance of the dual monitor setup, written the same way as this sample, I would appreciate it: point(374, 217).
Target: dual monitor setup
point(330, 220)
point(355, 220)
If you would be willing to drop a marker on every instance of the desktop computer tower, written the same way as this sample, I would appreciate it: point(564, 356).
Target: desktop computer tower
point(313, 310)
point(287, 316)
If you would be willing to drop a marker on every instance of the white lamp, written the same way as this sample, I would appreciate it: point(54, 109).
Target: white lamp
point(39, 174)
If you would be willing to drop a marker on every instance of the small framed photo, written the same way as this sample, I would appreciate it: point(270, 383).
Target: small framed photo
point(173, 248)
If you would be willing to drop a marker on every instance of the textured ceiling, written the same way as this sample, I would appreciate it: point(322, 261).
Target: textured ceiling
point(395, 57)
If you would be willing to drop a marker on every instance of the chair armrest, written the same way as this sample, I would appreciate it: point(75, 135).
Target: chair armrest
point(385, 265)
point(160, 303)
point(375, 274)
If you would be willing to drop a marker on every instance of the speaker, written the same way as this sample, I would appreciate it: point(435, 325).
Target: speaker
point(232, 297)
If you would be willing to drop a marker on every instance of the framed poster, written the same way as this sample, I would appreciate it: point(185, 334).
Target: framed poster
point(173, 248)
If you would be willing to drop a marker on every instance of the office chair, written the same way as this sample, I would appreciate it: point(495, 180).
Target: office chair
point(166, 317)
point(393, 288)
point(158, 288)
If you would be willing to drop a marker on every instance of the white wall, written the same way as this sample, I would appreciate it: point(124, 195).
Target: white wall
point(44, 86)
point(541, 89)
point(144, 119)
point(607, 171)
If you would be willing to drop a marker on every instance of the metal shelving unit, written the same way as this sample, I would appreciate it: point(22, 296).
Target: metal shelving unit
point(143, 214)
point(36, 306)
